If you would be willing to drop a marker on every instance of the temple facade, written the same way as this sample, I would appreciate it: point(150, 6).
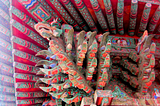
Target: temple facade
point(79, 52)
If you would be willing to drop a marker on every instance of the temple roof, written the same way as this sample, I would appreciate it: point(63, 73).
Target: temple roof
point(119, 17)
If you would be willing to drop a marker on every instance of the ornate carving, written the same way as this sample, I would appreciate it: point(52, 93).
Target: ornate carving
point(100, 95)
point(91, 56)
point(104, 62)
point(140, 77)
point(61, 73)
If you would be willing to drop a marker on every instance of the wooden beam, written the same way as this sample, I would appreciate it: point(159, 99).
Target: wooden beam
point(109, 14)
point(86, 15)
point(49, 8)
point(133, 17)
point(6, 69)
point(158, 32)
point(31, 78)
point(7, 79)
point(64, 14)
point(70, 7)
point(25, 18)
point(99, 15)
point(26, 56)
point(120, 11)
point(29, 33)
point(31, 94)
point(144, 19)
point(26, 44)
point(37, 10)
point(25, 67)
point(27, 85)
point(29, 101)
point(154, 20)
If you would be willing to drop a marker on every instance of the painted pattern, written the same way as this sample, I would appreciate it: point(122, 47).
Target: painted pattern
point(5, 68)
point(4, 7)
point(158, 29)
point(74, 13)
point(5, 30)
point(8, 98)
point(4, 22)
point(99, 15)
point(4, 14)
point(54, 14)
point(32, 78)
point(5, 45)
point(26, 67)
point(30, 34)
point(7, 79)
point(7, 104)
point(154, 20)
point(144, 19)
point(5, 57)
point(26, 56)
point(86, 15)
point(25, 18)
point(31, 94)
point(133, 17)
point(26, 44)
point(6, 2)
point(120, 11)
point(36, 9)
point(65, 14)
point(30, 101)
point(7, 89)
point(109, 14)
point(27, 85)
